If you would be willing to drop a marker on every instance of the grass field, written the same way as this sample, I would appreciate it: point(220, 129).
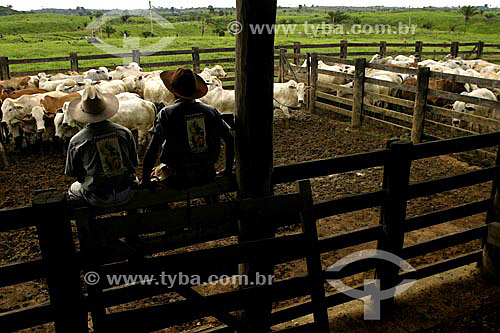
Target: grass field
point(50, 35)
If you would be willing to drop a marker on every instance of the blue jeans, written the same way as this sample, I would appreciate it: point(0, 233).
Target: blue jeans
point(113, 198)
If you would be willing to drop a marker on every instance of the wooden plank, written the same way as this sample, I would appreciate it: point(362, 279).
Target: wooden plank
point(358, 93)
point(339, 110)
point(337, 87)
point(37, 60)
point(218, 50)
point(218, 61)
point(494, 210)
point(336, 60)
point(313, 259)
point(17, 218)
point(196, 59)
point(21, 272)
point(48, 71)
point(104, 56)
point(338, 74)
point(167, 63)
point(452, 129)
point(389, 113)
point(348, 239)
point(391, 99)
point(450, 183)
point(443, 242)
point(450, 146)
point(464, 98)
point(394, 69)
point(348, 203)
point(333, 98)
point(444, 266)
point(486, 83)
point(314, 83)
point(463, 116)
point(446, 215)
point(178, 52)
point(325, 167)
point(312, 46)
point(136, 56)
point(417, 130)
point(398, 86)
point(19, 319)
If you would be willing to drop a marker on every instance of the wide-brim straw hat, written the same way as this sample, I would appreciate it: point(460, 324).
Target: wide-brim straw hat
point(94, 106)
point(184, 83)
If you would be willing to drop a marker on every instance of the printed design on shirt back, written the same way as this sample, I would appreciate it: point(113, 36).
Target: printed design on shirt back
point(196, 133)
point(110, 154)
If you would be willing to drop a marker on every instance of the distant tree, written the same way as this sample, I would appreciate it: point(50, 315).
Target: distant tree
point(108, 30)
point(147, 34)
point(427, 25)
point(172, 9)
point(300, 8)
point(452, 27)
point(221, 13)
point(126, 33)
point(222, 33)
point(125, 18)
point(338, 17)
point(211, 9)
point(467, 12)
point(98, 14)
point(489, 16)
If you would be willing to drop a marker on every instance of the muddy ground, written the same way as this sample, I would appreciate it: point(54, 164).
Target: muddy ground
point(305, 137)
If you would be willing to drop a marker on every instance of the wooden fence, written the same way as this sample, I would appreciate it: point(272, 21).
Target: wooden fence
point(343, 49)
point(325, 95)
point(166, 229)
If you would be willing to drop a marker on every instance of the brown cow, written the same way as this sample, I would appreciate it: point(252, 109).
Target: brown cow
point(16, 82)
point(443, 85)
point(52, 104)
point(9, 93)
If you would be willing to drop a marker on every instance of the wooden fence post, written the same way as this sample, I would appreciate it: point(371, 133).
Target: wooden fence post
point(480, 49)
point(282, 66)
point(136, 56)
point(313, 259)
point(383, 48)
point(343, 49)
point(393, 215)
point(359, 92)
point(296, 52)
point(314, 82)
point(454, 49)
point(73, 61)
point(417, 130)
point(196, 59)
point(418, 51)
point(59, 256)
point(308, 91)
point(4, 68)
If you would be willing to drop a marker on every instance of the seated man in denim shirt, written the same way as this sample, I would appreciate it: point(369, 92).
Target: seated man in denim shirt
point(102, 156)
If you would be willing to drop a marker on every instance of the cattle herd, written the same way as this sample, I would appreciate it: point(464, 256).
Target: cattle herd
point(473, 68)
point(35, 108)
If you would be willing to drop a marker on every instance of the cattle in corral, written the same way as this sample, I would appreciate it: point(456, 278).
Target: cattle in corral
point(443, 85)
point(217, 71)
point(477, 110)
point(60, 76)
point(122, 72)
point(133, 113)
point(490, 69)
point(101, 74)
point(289, 95)
point(114, 87)
point(52, 105)
point(13, 94)
point(17, 82)
point(378, 59)
point(223, 100)
point(404, 58)
point(152, 89)
point(33, 82)
point(379, 89)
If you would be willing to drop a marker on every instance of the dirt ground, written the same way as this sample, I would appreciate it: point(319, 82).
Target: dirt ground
point(305, 137)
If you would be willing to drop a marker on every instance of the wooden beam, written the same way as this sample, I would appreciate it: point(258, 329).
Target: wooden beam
point(417, 130)
point(359, 89)
point(254, 135)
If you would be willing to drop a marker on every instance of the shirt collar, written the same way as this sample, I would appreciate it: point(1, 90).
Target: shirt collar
point(98, 124)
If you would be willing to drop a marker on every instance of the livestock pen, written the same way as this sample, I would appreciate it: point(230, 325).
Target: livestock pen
point(67, 253)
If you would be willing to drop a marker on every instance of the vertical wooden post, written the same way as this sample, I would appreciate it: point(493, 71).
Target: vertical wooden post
point(4, 68)
point(490, 265)
point(419, 45)
point(254, 137)
point(308, 91)
point(417, 130)
point(296, 52)
point(313, 259)
point(59, 256)
point(196, 59)
point(314, 83)
point(359, 92)
point(73, 61)
point(480, 49)
point(454, 49)
point(383, 48)
point(283, 68)
point(393, 215)
point(343, 49)
point(136, 56)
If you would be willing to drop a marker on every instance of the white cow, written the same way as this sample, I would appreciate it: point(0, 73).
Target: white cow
point(289, 95)
point(114, 87)
point(100, 74)
point(478, 110)
point(223, 100)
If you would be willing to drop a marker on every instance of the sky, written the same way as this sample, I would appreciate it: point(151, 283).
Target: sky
point(135, 4)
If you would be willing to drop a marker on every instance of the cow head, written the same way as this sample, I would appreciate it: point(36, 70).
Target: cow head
point(12, 112)
point(218, 71)
point(38, 114)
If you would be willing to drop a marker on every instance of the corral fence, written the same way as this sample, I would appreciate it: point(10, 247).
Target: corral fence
point(162, 229)
point(196, 57)
point(416, 116)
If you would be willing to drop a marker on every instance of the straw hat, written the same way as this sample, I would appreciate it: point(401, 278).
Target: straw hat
point(94, 106)
point(183, 83)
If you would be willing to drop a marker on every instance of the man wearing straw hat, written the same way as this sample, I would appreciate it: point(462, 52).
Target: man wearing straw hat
point(188, 134)
point(103, 155)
